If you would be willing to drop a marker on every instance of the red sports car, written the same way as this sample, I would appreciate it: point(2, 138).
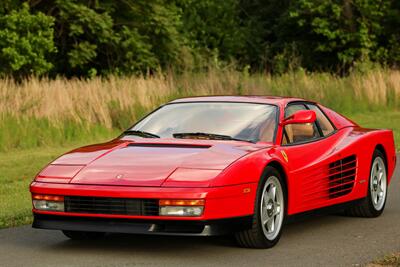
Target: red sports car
point(218, 165)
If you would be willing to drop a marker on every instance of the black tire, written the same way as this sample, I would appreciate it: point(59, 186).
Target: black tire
point(78, 235)
point(255, 237)
point(366, 208)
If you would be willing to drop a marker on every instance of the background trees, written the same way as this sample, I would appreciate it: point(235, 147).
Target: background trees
point(92, 37)
point(26, 42)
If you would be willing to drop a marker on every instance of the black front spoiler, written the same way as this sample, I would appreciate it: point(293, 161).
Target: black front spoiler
point(158, 227)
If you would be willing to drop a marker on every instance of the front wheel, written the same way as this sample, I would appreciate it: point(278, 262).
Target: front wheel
point(269, 215)
point(374, 204)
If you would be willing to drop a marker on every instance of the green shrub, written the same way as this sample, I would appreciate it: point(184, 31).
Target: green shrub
point(26, 43)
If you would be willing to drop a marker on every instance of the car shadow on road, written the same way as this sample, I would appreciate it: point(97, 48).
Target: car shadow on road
point(166, 244)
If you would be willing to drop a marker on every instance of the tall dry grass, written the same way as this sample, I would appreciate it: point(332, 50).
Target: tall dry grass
point(91, 101)
point(64, 110)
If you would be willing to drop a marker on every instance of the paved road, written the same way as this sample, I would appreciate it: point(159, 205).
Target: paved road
point(320, 241)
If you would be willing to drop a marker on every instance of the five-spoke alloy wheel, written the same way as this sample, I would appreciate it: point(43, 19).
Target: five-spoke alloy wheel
point(269, 214)
point(374, 204)
point(378, 183)
point(272, 204)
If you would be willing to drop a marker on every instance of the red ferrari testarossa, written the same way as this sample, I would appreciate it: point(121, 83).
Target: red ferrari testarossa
point(218, 165)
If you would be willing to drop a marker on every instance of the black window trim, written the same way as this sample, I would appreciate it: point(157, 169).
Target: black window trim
point(305, 103)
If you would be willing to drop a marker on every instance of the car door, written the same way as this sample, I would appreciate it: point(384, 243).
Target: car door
point(308, 149)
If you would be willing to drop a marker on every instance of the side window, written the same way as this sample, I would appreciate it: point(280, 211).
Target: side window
point(323, 122)
point(296, 133)
point(290, 110)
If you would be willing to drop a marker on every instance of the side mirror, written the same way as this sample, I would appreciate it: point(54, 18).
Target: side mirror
point(301, 116)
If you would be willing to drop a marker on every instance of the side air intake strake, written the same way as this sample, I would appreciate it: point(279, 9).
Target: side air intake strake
point(333, 180)
point(342, 174)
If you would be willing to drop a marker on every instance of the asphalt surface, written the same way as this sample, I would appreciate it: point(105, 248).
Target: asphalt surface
point(317, 241)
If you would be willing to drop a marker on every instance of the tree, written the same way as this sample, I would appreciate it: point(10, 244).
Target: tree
point(334, 32)
point(26, 43)
point(390, 41)
point(122, 37)
point(262, 22)
point(213, 30)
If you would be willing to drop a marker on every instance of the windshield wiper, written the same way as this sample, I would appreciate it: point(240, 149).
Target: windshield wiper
point(209, 136)
point(141, 133)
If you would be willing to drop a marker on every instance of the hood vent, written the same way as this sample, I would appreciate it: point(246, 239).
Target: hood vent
point(168, 145)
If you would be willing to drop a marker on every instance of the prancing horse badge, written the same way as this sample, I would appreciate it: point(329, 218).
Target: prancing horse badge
point(284, 155)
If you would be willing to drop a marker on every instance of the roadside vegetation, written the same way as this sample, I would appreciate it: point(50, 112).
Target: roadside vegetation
point(392, 260)
point(76, 38)
point(40, 119)
point(16, 171)
point(40, 112)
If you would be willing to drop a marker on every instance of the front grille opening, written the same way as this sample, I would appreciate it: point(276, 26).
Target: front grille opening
point(115, 206)
point(342, 174)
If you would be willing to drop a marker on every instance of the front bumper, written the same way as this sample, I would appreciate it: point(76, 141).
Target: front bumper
point(220, 202)
point(157, 227)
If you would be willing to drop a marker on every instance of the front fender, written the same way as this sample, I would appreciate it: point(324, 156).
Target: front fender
point(249, 168)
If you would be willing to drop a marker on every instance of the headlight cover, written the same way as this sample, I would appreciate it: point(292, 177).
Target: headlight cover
point(182, 207)
point(48, 202)
point(185, 211)
point(58, 173)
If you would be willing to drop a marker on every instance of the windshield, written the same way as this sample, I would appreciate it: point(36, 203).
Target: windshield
point(245, 121)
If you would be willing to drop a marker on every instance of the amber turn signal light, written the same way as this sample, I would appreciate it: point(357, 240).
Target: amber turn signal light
point(48, 197)
point(181, 202)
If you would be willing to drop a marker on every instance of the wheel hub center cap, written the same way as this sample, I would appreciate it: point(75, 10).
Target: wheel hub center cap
point(270, 208)
point(375, 184)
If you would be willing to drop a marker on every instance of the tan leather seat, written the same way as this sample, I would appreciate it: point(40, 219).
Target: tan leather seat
point(298, 133)
point(288, 135)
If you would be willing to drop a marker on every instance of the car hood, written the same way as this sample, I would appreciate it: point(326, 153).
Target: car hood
point(150, 163)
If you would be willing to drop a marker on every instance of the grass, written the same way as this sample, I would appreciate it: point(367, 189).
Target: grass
point(380, 119)
point(388, 260)
point(57, 112)
point(24, 133)
point(17, 170)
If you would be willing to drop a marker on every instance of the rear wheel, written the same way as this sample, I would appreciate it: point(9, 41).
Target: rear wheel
point(374, 204)
point(269, 215)
point(78, 235)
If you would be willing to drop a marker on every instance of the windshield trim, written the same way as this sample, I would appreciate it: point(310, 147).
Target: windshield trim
point(208, 101)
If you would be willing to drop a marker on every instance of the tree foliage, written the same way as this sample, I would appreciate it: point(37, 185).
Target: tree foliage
point(92, 37)
point(25, 43)
point(338, 32)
